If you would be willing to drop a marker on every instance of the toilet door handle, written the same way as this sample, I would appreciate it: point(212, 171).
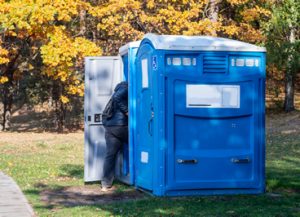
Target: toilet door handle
point(187, 161)
point(150, 126)
point(240, 160)
point(199, 105)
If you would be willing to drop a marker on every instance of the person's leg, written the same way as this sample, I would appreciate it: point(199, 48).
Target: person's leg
point(123, 134)
point(113, 145)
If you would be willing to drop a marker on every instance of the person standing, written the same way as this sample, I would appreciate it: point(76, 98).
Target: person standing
point(116, 133)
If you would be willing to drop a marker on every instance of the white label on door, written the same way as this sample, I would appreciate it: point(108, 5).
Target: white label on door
point(144, 157)
point(145, 81)
point(212, 96)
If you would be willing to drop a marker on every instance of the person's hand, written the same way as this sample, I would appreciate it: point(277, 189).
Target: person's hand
point(126, 113)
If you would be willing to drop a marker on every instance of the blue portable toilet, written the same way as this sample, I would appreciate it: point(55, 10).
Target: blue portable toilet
point(200, 116)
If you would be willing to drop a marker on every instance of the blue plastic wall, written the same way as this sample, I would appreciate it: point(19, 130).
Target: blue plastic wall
point(127, 161)
point(224, 147)
point(132, 111)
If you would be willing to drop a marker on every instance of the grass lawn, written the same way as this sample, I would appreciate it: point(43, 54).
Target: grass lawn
point(49, 169)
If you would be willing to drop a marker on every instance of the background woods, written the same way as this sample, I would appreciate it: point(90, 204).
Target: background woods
point(43, 42)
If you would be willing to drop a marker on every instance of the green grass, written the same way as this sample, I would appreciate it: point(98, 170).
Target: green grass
point(39, 164)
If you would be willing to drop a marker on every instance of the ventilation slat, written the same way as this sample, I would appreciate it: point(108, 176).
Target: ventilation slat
point(214, 61)
point(215, 71)
point(214, 67)
point(214, 57)
point(214, 64)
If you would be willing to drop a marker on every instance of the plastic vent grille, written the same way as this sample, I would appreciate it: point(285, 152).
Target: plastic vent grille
point(215, 64)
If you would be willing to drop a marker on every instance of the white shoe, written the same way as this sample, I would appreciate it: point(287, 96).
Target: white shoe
point(106, 189)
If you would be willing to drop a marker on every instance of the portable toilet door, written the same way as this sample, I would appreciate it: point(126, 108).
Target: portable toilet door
point(144, 143)
point(200, 116)
point(102, 74)
point(125, 160)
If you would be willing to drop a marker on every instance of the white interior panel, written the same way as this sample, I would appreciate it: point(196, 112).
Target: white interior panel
point(212, 96)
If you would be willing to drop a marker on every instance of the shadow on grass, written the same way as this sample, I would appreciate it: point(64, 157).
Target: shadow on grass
point(130, 202)
point(286, 180)
point(71, 170)
point(55, 196)
point(283, 163)
point(28, 120)
point(230, 205)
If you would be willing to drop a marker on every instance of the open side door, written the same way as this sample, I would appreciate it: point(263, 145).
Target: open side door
point(102, 74)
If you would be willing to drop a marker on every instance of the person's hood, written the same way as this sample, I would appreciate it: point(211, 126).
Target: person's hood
point(123, 84)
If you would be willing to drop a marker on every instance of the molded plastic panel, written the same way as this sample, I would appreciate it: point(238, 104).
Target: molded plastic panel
point(144, 145)
point(101, 76)
point(216, 145)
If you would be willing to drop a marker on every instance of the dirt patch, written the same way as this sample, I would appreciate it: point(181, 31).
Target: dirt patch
point(40, 138)
point(284, 123)
point(87, 195)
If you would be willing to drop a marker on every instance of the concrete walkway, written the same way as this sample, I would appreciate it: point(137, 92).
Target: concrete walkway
point(12, 201)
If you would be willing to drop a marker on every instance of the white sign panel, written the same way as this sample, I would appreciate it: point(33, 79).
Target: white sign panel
point(145, 82)
point(144, 157)
point(212, 96)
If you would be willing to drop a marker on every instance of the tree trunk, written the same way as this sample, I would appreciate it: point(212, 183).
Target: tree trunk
point(60, 116)
point(290, 77)
point(7, 106)
point(7, 97)
point(213, 10)
point(213, 13)
point(60, 111)
point(8, 93)
point(82, 23)
point(289, 93)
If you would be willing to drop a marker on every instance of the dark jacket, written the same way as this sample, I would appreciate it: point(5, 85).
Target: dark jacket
point(120, 106)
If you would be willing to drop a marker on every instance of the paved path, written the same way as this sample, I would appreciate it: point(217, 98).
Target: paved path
point(12, 201)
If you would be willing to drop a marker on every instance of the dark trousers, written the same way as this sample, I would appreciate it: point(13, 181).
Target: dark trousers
point(115, 137)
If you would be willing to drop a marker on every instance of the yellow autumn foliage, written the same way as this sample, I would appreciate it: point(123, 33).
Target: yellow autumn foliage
point(231, 30)
point(61, 54)
point(237, 2)
point(64, 99)
point(27, 14)
point(3, 54)
point(251, 14)
point(250, 34)
point(3, 79)
point(127, 20)
point(46, 24)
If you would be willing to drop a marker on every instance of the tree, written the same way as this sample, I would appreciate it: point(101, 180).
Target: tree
point(121, 21)
point(51, 37)
point(283, 44)
point(40, 36)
